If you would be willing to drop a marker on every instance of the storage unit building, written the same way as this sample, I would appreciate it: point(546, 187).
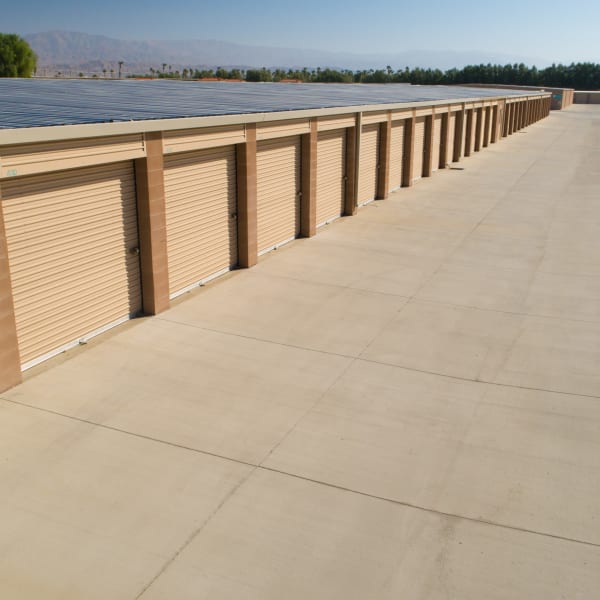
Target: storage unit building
point(109, 210)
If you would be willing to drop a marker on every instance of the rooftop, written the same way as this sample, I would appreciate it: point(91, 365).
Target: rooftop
point(404, 406)
point(50, 102)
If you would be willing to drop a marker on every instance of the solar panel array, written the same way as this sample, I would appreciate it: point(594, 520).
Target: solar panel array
point(51, 102)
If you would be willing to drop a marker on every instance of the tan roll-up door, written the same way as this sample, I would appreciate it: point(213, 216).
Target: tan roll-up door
point(419, 148)
point(73, 255)
point(473, 131)
point(437, 141)
point(396, 154)
point(278, 191)
point(451, 132)
point(331, 172)
point(201, 210)
point(369, 160)
point(464, 133)
point(482, 132)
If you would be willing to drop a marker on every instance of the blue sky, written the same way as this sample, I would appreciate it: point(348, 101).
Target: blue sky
point(527, 28)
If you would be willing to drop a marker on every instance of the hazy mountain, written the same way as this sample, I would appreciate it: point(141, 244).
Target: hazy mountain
point(81, 50)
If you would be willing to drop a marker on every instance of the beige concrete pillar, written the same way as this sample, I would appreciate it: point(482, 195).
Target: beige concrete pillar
point(10, 362)
point(246, 188)
point(308, 201)
point(152, 225)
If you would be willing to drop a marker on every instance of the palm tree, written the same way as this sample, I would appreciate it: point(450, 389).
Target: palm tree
point(121, 63)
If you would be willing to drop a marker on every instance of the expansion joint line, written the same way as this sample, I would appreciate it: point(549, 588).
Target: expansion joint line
point(255, 467)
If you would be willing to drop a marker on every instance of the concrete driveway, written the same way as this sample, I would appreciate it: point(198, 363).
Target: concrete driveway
point(405, 406)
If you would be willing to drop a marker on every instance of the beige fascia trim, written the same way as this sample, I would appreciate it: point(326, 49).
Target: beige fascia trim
point(53, 133)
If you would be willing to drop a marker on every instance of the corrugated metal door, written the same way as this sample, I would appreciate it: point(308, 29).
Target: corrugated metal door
point(278, 191)
point(451, 132)
point(482, 132)
point(464, 133)
point(396, 154)
point(473, 130)
point(369, 161)
point(437, 142)
point(201, 206)
point(419, 148)
point(331, 172)
point(73, 254)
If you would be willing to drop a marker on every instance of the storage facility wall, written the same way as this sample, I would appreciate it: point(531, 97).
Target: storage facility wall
point(201, 211)
point(278, 164)
point(331, 175)
point(73, 234)
point(419, 148)
point(73, 250)
point(368, 163)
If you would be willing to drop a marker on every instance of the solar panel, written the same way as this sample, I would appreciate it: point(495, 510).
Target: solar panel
point(51, 102)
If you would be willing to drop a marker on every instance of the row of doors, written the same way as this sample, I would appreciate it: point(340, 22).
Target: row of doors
point(73, 236)
point(73, 242)
point(369, 152)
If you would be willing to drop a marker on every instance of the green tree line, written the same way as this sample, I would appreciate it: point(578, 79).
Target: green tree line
point(581, 76)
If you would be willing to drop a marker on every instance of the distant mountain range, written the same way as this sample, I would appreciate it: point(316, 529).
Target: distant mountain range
point(74, 50)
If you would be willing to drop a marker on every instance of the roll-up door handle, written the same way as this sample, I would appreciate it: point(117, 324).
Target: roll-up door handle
point(134, 251)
